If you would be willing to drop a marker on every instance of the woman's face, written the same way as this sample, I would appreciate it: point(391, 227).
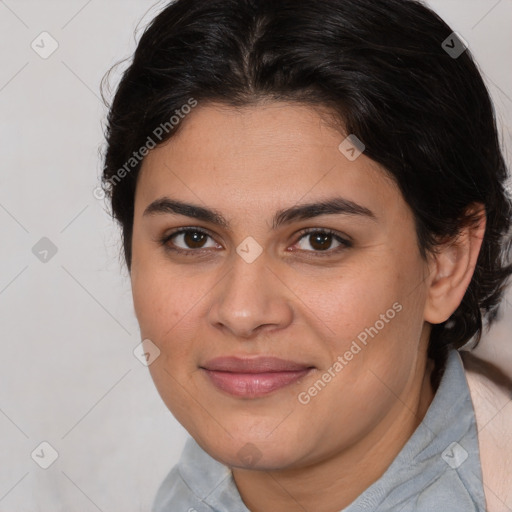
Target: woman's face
point(336, 293)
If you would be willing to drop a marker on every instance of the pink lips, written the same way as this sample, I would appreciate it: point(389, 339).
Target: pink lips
point(252, 378)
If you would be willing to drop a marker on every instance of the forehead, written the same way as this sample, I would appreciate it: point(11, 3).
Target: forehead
point(258, 154)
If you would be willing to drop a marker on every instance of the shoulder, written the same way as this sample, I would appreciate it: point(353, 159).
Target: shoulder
point(491, 393)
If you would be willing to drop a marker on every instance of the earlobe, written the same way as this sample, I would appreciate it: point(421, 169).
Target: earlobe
point(452, 267)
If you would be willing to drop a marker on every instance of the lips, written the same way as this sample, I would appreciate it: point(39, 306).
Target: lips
point(253, 377)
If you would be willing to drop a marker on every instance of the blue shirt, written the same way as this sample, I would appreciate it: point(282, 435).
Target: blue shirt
point(438, 469)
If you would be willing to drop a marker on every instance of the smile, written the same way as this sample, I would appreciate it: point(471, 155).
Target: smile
point(253, 378)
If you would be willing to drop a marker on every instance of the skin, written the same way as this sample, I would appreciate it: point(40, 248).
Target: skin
point(295, 301)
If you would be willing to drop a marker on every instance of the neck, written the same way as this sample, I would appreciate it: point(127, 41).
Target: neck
point(334, 483)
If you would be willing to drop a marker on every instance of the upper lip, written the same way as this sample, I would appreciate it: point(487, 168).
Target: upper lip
point(262, 364)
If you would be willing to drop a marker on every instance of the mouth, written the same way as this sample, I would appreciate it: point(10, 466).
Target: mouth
point(254, 377)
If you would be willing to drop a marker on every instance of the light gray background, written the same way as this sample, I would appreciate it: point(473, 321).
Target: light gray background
point(68, 373)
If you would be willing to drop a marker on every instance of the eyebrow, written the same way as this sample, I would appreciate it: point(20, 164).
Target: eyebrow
point(334, 206)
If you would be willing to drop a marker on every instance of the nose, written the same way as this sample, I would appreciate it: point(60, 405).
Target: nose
point(250, 299)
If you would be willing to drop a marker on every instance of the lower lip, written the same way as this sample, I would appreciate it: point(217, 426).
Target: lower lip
point(253, 385)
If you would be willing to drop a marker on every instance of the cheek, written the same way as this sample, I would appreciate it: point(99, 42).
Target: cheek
point(170, 306)
point(352, 299)
point(161, 296)
point(151, 299)
point(162, 303)
point(165, 314)
point(373, 319)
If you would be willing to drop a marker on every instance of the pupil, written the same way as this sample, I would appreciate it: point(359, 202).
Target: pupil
point(194, 238)
point(321, 239)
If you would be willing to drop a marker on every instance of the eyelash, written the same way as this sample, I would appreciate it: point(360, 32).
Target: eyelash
point(345, 244)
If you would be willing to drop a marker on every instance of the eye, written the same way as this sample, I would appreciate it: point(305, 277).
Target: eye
point(187, 240)
point(191, 240)
point(321, 240)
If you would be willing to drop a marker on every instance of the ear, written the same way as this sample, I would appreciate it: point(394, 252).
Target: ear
point(452, 266)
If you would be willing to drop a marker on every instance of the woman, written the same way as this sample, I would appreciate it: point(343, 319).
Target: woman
point(313, 210)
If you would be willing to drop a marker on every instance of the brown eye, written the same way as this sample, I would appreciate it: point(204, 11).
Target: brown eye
point(187, 240)
point(322, 240)
point(194, 239)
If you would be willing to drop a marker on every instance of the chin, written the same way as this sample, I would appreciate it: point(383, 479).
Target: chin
point(252, 452)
